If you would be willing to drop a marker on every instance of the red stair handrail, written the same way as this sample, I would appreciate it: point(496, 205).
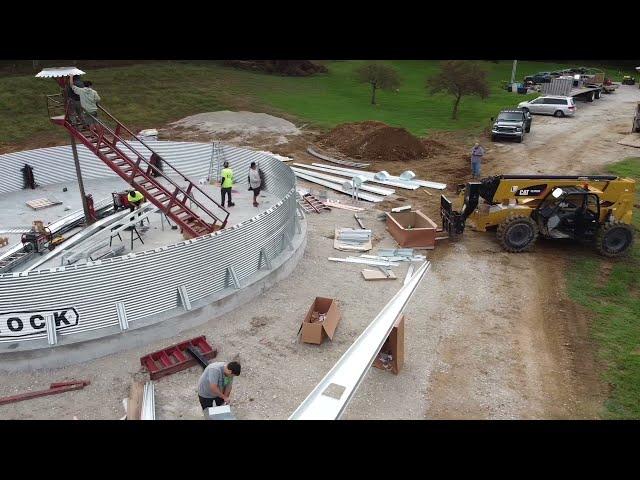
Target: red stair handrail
point(52, 102)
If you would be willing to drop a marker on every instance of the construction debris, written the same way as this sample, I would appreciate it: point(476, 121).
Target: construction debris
point(339, 180)
point(387, 179)
point(4, 241)
point(401, 209)
point(399, 258)
point(54, 388)
point(409, 274)
point(41, 203)
point(378, 275)
point(355, 215)
point(342, 206)
point(134, 402)
point(364, 261)
point(310, 204)
point(352, 239)
point(338, 187)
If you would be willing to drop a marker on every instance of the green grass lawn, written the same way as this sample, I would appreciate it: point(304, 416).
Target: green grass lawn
point(151, 94)
point(616, 307)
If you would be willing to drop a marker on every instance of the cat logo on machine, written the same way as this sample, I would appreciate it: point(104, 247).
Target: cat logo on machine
point(26, 323)
point(533, 191)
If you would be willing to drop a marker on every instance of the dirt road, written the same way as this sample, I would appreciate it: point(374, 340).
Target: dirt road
point(582, 144)
point(514, 346)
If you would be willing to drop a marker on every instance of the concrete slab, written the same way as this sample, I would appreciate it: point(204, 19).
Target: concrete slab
point(15, 213)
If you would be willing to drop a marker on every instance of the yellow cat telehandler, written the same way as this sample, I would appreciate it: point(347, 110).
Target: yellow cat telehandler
point(592, 208)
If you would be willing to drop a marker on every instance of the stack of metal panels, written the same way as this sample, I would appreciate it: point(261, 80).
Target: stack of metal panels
point(350, 235)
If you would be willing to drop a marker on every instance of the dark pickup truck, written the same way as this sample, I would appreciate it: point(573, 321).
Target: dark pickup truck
point(512, 124)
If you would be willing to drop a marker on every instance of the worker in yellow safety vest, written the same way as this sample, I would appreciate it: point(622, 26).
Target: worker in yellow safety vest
point(226, 182)
point(135, 199)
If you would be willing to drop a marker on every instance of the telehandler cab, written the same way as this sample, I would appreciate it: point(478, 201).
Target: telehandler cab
point(592, 208)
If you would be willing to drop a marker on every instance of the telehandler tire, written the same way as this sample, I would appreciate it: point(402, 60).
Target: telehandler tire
point(615, 239)
point(517, 234)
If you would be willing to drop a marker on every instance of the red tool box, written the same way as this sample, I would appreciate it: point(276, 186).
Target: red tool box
point(176, 358)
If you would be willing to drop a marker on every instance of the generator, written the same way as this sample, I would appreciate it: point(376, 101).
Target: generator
point(120, 200)
point(37, 241)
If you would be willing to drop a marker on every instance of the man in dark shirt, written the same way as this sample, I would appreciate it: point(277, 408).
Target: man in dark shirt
point(75, 109)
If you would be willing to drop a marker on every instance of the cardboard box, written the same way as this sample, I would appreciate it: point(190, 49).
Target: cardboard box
point(314, 331)
point(394, 346)
point(412, 229)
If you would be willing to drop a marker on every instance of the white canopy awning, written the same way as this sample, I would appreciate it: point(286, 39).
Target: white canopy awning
point(56, 72)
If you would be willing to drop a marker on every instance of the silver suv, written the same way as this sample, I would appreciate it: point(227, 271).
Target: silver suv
point(550, 105)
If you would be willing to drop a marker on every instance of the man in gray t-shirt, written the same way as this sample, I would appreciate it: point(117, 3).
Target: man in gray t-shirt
point(215, 383)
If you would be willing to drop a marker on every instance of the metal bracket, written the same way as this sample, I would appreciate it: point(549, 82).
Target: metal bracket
point(122, 316)
point(52, 336)
point(231, 278)
point(285, 242)
point(184, 297)
point(266, 264)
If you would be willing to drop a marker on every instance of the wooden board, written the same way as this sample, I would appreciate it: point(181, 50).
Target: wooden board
point(39, 203)
point(377, 275)
point(134, 405)
point(631, 140)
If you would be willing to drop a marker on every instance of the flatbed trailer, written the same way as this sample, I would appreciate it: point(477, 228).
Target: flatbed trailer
point(587, 92)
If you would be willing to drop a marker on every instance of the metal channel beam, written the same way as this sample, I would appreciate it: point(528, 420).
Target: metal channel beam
point(392, 180)
point(338, 188)
point(333, 178)
point(334, 170)
point(331, 396)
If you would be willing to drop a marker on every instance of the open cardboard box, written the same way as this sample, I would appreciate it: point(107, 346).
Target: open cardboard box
point(412, 229)
point(394, 346)
point(316, 332)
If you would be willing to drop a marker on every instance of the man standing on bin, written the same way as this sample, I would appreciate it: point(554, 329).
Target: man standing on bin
point(215, 383)
point(226, 183)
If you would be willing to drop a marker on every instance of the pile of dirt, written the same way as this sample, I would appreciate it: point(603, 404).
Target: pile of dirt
point(373, 140)
point(291, 68)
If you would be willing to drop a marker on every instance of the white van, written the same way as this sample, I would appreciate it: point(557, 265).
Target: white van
point(550, 105)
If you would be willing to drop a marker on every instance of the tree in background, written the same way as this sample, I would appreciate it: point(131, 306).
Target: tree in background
point(459, 78)
point(378, 76)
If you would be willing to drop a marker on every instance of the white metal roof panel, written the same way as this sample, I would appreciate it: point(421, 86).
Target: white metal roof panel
point(56, 72)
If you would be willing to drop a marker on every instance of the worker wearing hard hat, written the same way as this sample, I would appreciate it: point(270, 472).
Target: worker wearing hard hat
point(135, 199)
point(226, 182)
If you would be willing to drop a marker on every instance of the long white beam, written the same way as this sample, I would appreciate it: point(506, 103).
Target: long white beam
point(336, 179)
point(392, 178)
point(331, 396)
point(338, 188)
point(334, 170)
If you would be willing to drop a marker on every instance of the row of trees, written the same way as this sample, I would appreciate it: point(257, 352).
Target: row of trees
point(456, 77)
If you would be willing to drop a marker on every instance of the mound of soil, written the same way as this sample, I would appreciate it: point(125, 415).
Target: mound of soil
point(291, 68)
point(375, 141)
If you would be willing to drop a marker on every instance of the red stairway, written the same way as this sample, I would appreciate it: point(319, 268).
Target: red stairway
point(106, 140)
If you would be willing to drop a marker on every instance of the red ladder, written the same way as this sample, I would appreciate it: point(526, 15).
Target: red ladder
point(108, 144)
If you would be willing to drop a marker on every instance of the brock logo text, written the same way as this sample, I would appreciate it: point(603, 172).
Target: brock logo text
point(23, 324)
